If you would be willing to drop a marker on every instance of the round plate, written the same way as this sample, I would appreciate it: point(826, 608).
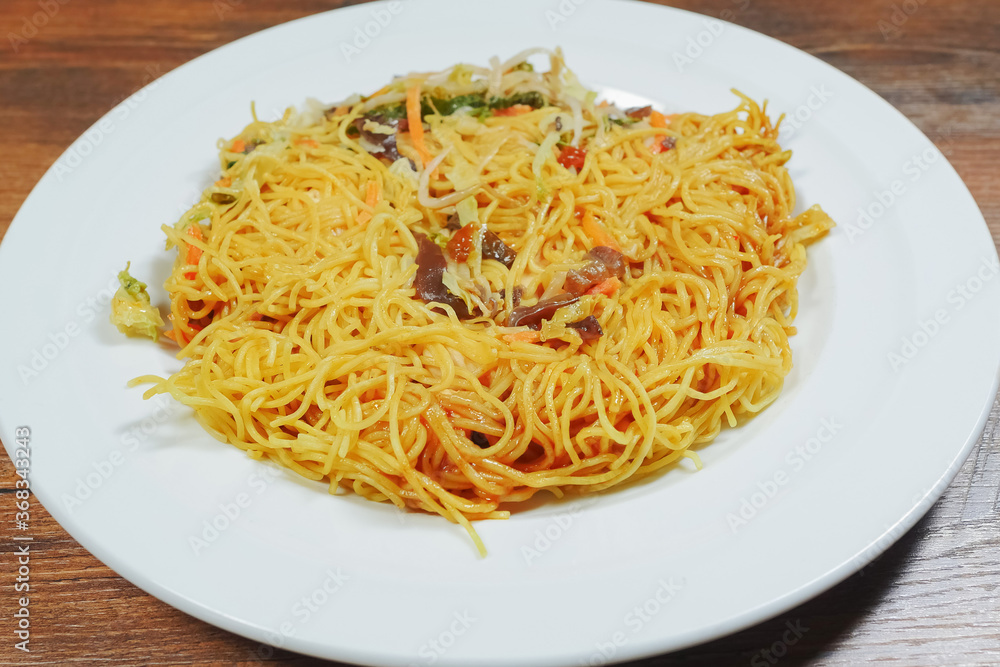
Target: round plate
point(895, 366)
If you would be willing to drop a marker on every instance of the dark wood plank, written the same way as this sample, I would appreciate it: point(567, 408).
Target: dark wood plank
point(931, 599)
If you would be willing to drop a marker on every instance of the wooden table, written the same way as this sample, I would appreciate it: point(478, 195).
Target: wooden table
point(933, 598)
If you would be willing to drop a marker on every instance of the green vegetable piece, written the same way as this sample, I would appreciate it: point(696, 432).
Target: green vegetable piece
point(131, 310)
point(446, 106)
point(533, 99)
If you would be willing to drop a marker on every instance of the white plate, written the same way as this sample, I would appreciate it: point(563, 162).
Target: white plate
point(852, 454)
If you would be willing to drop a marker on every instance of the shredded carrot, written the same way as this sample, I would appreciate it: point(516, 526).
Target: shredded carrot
point(193, 251)
point(180, 337)
point(416, 122)
point(515, 110)
point(595, 232)
point(371, 199)
point(372, 193)
point(341, 110)
point(522, 337)
point(306, 141)
point(607, 287)
point(239, 146)
point(224, 182)
point(657, 119)
point(174, 334)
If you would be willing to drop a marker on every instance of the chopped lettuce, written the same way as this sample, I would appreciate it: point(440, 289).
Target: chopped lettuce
point(462, 75)
point(451, 282)
point(541, 157)
point(131, 310)
point(475, 103)
point(440, 239)
point(468, 211)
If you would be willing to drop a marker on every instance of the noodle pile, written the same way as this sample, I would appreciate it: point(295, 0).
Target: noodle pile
point(306, 340)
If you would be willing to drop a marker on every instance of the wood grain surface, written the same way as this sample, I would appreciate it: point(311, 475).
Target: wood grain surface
point(932, 599)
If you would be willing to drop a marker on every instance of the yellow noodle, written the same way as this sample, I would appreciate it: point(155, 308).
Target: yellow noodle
point(304, 339)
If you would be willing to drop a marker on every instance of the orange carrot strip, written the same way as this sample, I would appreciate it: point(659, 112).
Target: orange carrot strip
point(224, 182)
point(416, 122)
point(306, 141)
point(522, 337)
point(372, 194)
point(657, 119)
point(194, 252)
point(607, 287)
point(180, 337)
point(514, 110)
point(596, 233)
point(239, 145)
point(371, 199)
